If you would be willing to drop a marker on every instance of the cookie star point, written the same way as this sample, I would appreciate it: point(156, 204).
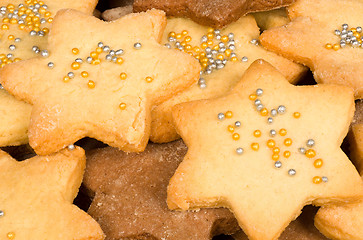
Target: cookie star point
point(88, 81)
point(311, 39)
point(282, 171)
point(37, 197)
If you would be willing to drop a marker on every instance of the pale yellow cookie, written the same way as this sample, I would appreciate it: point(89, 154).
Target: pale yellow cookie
point(100, 80)
point(271, 19)
point(15, 117)
point(265, 150)
point(318, 38)
point(36, 198)
point(219, 79)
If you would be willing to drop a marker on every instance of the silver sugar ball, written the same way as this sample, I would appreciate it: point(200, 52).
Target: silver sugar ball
point(44, 53)
point(12, 47)
point(259, 92)
point(220, 116)
point(278, 164)
point(291, 172)
point(79, 60)
point(244, 59)
point(100, 44)
point(281, 109)
point(50, 65)
point(137, 45)
point(273, 112)
point(237, 123)
point(325, 179)
point(310, 143)
point(70, 74)
point(270, 120)
point(272, 132)
point(239, 151)
point(71, 147)
point(302, 150)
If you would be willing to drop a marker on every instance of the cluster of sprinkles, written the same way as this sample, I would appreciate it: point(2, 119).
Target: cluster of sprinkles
point(347, 37)
point(278, 153)
point(30, 16)
point(101, 53)
point(213, 52)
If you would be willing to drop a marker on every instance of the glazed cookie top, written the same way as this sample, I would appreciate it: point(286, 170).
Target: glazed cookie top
point(37, 194)
point(99, 79)
point(329, 44)
point(267, 143)
point(215, 13)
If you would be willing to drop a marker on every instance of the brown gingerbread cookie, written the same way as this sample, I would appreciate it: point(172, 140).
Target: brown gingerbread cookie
point(130, 196)
point(215, 13)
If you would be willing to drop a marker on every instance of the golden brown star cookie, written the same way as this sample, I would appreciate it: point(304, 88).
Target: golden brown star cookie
point(224, 56)
point(36, 198)
point(327, 42)
point(130, 201)
point(26, 24)
point(266, 145)
point(14, 121)
point(99, 80)
point(214, 13)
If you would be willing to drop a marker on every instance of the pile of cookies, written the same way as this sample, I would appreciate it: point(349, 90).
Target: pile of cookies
point(177, 120)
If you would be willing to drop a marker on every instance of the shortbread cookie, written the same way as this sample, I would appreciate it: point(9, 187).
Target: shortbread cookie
point(232, 51)
point(116, 13)
point(214, 13)
point(130, 196)
point(26, 24)
point(355, 137)
point(99, 81)
point(302, 228)
point(271, 19)
point(36, 198)
point(267, 144)
point(15, 117)
point(327, 42)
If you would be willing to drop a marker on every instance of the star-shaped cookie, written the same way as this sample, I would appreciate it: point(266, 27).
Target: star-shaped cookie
point(26, 25)
point(231, 50)
point(327, 42)
point(214, 13)
point(36, 198)
point(100, 80)
point(14, 121)
point(265, 150)
point(130, 201)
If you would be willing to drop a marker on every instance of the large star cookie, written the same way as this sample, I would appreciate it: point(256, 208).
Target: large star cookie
point(36, 198)
point(265, 150)
point(14, 121)
point(224, 55)
point(100, 80)
point(346, 221)
point(26, 24)
point(327, 42)
point(215, 13)
point(130, 201)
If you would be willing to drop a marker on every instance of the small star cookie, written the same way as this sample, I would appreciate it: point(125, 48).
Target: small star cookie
point(266, 145)
point(224, 55)
point(215, 13)
point(14, 121)
point(130, 201)
point(36, 198)
point(327, 42)
point(100, 80)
